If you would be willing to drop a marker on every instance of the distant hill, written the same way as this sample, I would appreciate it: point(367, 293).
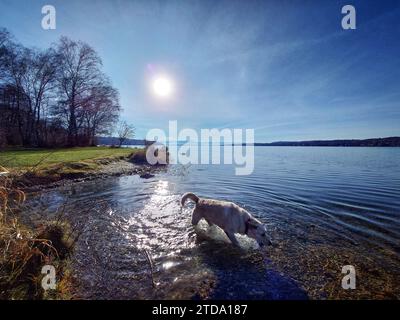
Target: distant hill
point(374, 142)
point(109, 141)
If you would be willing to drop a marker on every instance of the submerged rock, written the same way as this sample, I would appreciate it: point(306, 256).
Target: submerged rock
point(146, 175)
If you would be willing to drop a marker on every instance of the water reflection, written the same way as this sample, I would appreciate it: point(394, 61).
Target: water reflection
point(161, 226)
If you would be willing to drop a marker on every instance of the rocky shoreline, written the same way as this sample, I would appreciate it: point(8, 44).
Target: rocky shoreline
point(29, 182)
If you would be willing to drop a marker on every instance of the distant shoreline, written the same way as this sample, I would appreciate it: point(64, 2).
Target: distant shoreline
point(374, 142)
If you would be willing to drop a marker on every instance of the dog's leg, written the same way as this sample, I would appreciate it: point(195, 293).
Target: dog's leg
point(232, 237)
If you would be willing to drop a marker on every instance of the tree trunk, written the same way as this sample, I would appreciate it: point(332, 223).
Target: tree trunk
point(72, 132)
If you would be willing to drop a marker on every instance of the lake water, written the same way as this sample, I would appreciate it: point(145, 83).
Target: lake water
point(324, 208)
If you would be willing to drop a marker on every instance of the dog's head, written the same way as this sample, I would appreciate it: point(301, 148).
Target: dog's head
point(257, 231)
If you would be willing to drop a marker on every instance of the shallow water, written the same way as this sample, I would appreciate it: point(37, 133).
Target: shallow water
point(324, 208)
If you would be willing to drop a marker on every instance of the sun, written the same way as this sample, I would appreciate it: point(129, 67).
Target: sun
point(162, 86)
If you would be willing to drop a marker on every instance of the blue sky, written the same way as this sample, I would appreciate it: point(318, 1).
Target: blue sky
point(285, 68)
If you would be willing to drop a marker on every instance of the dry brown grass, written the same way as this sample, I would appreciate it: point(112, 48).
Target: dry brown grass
point(25, 250)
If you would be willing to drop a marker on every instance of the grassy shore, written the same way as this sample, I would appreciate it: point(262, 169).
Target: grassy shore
point(34, 167)
point(40, 158)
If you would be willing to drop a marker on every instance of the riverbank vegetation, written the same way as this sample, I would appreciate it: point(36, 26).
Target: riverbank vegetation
point(39, 158)
point(26, 249)
point(32, 167)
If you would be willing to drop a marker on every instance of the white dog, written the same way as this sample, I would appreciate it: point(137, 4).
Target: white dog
point(228, 216)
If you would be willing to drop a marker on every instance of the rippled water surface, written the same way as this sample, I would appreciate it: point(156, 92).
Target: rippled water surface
point(324, 208)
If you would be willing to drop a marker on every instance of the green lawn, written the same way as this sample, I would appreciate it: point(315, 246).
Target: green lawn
point(20, 159)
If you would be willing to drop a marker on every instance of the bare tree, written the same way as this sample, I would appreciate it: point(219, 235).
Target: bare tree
point(27, 75)
point(79, 72)
point(4, 50)
point(125, 131)
point(37, 84)
point(54, 96)
point(101, 111)
point(15, 65)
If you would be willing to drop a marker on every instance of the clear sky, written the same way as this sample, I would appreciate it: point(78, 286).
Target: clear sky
point(285, 68)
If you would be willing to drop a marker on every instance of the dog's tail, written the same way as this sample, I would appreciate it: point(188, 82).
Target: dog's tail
point(190, 196)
